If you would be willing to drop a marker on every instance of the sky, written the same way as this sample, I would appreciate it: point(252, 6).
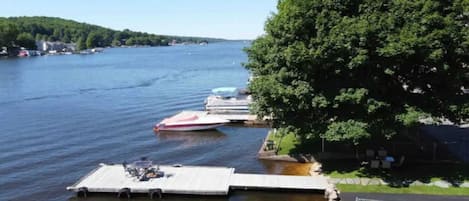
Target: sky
point(229, 19)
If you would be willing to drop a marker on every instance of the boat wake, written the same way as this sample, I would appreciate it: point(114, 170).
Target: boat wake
point(144, 83)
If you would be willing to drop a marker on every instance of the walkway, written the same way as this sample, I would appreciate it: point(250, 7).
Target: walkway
point(378, 181)
point(399, 197)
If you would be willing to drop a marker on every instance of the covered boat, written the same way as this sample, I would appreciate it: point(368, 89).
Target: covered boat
point(228, 100)
point(189, 122)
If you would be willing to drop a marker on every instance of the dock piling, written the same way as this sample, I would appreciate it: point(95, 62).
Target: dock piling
point(124, 192)
point(82, 192)
point(155, 193)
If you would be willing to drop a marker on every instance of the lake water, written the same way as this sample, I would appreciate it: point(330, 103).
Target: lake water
point(60, 116)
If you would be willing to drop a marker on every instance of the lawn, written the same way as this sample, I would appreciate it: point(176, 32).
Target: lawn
point(285, 143)
point(429, 190)
point(453, 173)
point(398, 178)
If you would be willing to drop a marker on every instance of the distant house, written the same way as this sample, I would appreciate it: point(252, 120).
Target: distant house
point(98, 49)
point(3, 51)
point(47, 46)
point(173, 42)
point(70, 47)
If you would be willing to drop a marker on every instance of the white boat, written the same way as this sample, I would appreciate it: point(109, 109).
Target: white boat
point(189, 122)
point(228, 100)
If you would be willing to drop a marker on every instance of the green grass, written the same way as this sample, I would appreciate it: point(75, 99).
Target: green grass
point(347, 174)
point(426, 173)
point(411, 171)
point(286, 143)
point(429, 190)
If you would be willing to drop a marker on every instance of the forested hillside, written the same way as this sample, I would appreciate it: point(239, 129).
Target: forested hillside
point(23, 31)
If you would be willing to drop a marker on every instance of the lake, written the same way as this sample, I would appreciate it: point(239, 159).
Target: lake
point(60, 116)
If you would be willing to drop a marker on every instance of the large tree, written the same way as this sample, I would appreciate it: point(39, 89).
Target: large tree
point(81, 43)
point(8, 33)
point(347, 70)
point(94, 39)
point(26, 40)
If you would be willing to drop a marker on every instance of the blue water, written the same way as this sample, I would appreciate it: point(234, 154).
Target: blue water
point(60, 116)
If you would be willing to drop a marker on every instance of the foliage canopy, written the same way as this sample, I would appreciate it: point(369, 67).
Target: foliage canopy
point(348, 70)
point(69, 31)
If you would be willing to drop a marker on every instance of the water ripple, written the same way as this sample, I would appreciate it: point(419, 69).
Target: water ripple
point(65, 115)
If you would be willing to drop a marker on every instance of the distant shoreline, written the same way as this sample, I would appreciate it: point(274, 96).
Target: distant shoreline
point(33, 53)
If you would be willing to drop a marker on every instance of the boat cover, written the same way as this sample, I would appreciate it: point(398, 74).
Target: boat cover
point(180, 118)
point(225, 91)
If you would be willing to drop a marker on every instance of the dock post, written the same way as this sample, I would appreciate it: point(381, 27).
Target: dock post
point(82, 191)
point(124, 191)
point(155, 192)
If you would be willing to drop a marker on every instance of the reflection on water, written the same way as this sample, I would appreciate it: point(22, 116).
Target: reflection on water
point(286, 168)
point(274, 196)
point(233, 196)
point(192, 138)
point(64, 115)
point(240, 124)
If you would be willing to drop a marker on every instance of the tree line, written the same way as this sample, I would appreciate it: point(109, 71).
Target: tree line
point(24, 31)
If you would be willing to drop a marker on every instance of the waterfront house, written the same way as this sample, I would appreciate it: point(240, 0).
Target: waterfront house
point(47, 46)
point(3, 51)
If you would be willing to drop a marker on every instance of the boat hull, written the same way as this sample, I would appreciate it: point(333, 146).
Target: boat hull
point(191, 127)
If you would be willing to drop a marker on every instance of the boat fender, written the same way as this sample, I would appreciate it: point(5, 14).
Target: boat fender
point(82, 192)
point(123, 192)
point(155, 193)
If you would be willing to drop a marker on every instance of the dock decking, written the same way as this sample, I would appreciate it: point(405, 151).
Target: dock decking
point(283, 182)
point(194, 180)
point(177, 180)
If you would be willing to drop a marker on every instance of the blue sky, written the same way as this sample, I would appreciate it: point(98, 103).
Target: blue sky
point(230, 19)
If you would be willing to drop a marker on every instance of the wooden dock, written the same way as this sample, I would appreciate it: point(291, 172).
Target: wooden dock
point(278, 182)
point(177, 180)
point(193, 180)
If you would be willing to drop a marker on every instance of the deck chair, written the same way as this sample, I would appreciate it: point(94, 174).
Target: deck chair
point(386, 165)
point(132, 172)
point(382, 153)
point(374, 164)
point(370, 153)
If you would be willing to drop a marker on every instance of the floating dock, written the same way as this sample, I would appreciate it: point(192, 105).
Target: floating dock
point(191, 180)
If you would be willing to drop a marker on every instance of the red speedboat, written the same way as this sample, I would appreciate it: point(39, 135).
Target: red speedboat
point(189, 122)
